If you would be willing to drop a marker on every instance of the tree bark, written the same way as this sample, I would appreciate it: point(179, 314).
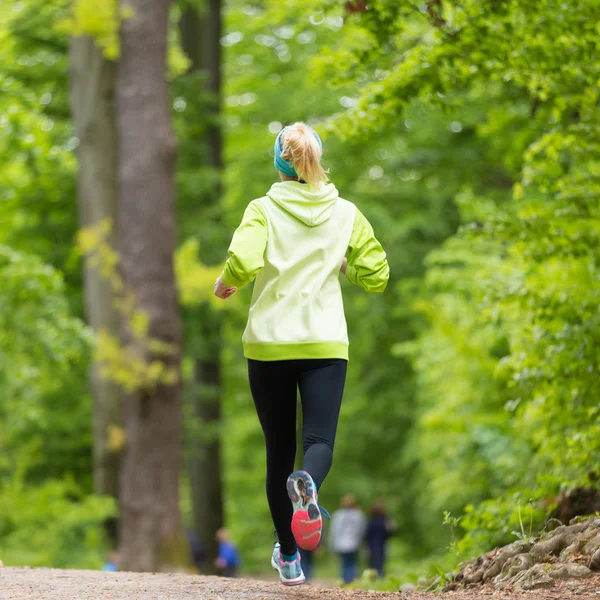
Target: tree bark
point(201, 35)
point(92, 103)
point(151, 532)
point(205, 458)
point(201, 41)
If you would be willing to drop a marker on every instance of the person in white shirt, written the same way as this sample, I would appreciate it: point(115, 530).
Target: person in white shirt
point(348, 527)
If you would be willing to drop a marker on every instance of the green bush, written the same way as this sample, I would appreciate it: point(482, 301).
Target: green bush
point(52, 525)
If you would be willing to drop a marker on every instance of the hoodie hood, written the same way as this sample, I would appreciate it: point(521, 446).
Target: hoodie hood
point(311, 205)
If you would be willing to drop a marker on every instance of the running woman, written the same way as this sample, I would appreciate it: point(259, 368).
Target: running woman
point(295, 241)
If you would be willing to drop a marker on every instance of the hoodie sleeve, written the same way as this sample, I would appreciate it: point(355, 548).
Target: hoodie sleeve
point(247, 248)
point(367, 263)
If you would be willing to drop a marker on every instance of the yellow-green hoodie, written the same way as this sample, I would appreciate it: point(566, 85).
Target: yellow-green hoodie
point(294, 240)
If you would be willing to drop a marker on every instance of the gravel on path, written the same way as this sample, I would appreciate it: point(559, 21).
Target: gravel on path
point(53, 584)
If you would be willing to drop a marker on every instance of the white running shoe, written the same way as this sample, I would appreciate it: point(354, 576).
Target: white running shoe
point(290, 573)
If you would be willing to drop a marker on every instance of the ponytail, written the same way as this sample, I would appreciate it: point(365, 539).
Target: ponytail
point(298, 152)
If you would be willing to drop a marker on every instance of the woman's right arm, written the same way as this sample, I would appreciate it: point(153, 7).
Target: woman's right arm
point(367, 263)
point(247, 249)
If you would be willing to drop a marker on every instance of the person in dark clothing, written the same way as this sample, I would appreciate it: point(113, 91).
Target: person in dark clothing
point(197, 549)
point(379, 529)
point(307, 557)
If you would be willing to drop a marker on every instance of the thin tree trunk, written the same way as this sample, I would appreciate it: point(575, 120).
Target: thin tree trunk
point(201, 37)
point(205, 458)
point(151, 532)
point(201, 41)
point(92, 101)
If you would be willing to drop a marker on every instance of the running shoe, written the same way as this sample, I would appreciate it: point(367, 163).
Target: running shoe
point(307, 522)
point(290, 573)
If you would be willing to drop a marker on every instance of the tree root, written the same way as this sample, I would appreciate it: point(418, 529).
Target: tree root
point(565, 552)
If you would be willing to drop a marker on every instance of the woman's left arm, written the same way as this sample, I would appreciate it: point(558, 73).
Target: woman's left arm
point(366, 263)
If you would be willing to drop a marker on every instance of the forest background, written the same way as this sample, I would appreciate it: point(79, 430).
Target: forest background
point(466, 131)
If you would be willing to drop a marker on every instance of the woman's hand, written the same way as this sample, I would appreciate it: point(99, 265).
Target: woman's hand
point(221, 291)
point(344, 266)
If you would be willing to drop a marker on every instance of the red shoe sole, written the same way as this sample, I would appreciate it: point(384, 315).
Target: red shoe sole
point(307, 531)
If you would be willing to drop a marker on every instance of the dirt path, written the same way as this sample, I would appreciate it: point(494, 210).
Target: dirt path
point(48, 584)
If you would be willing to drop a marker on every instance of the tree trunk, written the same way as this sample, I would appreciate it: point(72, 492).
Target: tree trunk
point(92, 102)
point(151, 532)
point(201, 41)
point(201, 37)
point(205, 458)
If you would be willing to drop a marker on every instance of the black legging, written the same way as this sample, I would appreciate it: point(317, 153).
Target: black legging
point(274, 386)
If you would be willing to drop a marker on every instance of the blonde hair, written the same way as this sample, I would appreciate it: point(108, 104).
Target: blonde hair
point(300, 146)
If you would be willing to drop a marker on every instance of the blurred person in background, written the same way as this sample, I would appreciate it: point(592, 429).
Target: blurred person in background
point(229, 558)
point(112, 561)
point(348, 527)
point(197, 549)
point(308, 562)
point(379, 529)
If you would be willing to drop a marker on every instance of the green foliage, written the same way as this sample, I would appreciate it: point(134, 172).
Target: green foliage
point(405, 179)
point(470, 140)
point(37, 180)
point(36, 327)
point(99, 20)
point(43, 355)
point(45, 518)
point(498, 522)
point(195, 280)
point(52, 525)
point(143, 362)
point(507, 367)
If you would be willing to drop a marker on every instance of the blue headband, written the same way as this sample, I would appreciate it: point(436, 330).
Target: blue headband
point(283, 165)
